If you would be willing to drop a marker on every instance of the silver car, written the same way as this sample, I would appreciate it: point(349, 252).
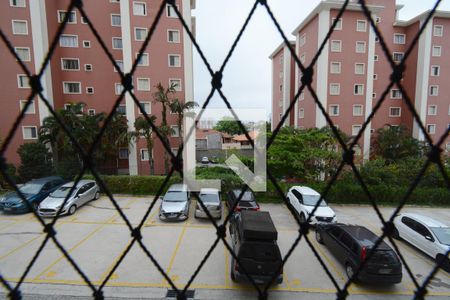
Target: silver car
point(175, 203)
point(85, 191)
point(211, 199)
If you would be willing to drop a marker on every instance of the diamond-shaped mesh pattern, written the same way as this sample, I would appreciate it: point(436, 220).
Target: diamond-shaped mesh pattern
point(434, 155)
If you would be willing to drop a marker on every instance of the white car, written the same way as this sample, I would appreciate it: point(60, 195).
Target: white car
point(428, 235)
point(303, 199)
point(205, 160)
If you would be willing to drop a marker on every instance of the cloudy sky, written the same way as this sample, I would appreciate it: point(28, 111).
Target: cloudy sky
point(247, 76)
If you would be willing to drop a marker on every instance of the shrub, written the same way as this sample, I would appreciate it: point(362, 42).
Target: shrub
point(35, 161)
point(11, 171)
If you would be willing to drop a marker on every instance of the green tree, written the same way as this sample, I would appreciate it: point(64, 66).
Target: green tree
point(178, 107)
point(228, 125)
point(394, 143)
point(36, 161)
point(144, 130)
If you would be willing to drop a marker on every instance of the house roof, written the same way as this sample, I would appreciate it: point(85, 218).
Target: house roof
point(243, 138)
point(201, 134)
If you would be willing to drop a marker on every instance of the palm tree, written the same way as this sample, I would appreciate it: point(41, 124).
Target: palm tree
point(144, 130)
point(178, 107)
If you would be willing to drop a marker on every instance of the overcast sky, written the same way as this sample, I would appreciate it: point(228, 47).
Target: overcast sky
point(247, 76)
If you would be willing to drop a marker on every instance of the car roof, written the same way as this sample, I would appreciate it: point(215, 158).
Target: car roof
point(363, 236)
point(425, 220)
point(80, 183)
point(305, 190)
point(46, 179)
point(178, 187)
point(209, 191)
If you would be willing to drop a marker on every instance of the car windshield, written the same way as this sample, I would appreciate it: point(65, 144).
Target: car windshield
point(248, 195)
point(311, 200)
point(210, 198)
point(62, 192)
point(175, 196)
point(442, 234)
point(31, 188)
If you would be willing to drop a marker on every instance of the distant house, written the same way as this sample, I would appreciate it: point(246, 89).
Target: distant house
point(208, 139)
point(243, 141)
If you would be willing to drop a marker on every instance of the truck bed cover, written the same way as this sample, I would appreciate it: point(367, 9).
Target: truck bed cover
point(258, 225)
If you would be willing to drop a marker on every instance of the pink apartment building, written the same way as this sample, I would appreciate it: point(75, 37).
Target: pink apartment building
point(80, 71)
point(352, 72)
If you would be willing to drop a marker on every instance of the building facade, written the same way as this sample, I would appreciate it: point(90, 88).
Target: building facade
point(80, 71)
point(352, 71)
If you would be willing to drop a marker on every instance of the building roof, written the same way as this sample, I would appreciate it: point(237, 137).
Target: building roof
point(281, 46)
point(423, 16)
point(243, 138)
point(201, 134)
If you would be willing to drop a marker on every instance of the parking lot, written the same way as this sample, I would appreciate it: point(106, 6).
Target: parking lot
point(96, 236)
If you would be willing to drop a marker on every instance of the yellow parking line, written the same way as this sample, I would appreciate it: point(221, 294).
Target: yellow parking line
point(227, 263)
point(175, 252)
point(323, 255)
point(15, 222)
point(21, 246)
point(111, 266)
point(85, 239)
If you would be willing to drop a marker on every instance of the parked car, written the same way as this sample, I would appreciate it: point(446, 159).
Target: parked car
point(175, 203)
point(205, 160)
point(350, 244)
point(247, 202)
point(254, 241)
point(426, 234)
point(211, 199)
point(85, 191)
point(34, 191)
point(303, 199)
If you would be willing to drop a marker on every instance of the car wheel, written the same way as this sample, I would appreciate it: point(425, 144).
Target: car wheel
point(395, 234)
point(72, 209)
point(349, 270)
point(34, 206)
point(97, 195)
point(319, 237)
point(443, 262)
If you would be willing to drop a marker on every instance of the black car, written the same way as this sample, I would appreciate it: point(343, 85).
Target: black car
point(247, 202)
point(350, 244)
point(34, 192)
point(254, 241)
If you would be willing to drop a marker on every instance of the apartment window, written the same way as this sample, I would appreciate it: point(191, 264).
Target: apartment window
point(119, 63)
point(301, 113)
point(436, 51)
point(338, 23)
point(361, 25)
point(68, 41)
point(435, 70)
point(114, 1)
point(117, 43)
point(173, 36)
point(375, 76)
point(302, 40)
point(89, 90)
point(143, 84)
point(17, 3)
point(175, 131)
point(432, 110)
point(336, 46)
point(357, 110)
point(70, 15)
point(121, 109)
point(91, 112)
point(20, 27)
point(140, 33)
point(374, 95)
point(377, 20)
point(142, 60)
point(335, 68)
point(334, 110)
point(144, 155)
point(281, 87)
point(335, 89)
point(358, 89)
point(280, 103)
point(360, 47)
point(281, 74)
point(396, 94)
point(394, 111)
point(397, 56)
point(170, 11)
point(70, 64)
point(356, 129)
point(139, 8)
point(174, 60)
point(29, 132)
point(86, 44)
point(123, 153)
point(83, 20)
point(72, 87)
point(431, 128)
point(375, 57)
point(88, 67)
point(31, 108)
point(399, 38)
point(22, 81)
point(145, 106)
point(303, 58)
point(434, 90)
point(118, 88)
point(23, 53)
point(438, 30)
point(116, 20)
point(302, 96)
point(281, 59)
point(176, 83)
point(359, 68)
